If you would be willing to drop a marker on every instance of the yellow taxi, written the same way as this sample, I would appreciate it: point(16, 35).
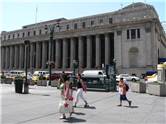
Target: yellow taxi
point(35, 77)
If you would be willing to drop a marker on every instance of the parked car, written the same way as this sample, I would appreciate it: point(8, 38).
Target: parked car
point(127, 77)
point(93, 74)
point(151, 78)
point(15, 73)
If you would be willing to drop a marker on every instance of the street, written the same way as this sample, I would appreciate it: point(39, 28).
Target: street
point(41, 107)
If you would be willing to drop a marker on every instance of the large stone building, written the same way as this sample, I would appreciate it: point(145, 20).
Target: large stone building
point(132, 35)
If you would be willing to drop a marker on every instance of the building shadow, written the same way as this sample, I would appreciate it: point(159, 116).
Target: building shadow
point(74, 120)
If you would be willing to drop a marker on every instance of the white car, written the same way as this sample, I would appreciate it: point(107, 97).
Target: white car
point(127, 77)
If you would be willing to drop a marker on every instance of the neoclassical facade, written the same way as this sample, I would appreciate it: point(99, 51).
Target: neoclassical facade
point(132, 35)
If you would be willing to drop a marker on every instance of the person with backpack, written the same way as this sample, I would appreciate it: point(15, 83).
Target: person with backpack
point(79, 93)
point(123, 88)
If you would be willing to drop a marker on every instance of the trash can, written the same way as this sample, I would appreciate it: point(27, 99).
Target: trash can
point(18, 85)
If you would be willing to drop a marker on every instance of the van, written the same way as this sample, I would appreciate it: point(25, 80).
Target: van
point(36, 75)
point(94, 73)
point(15, 73)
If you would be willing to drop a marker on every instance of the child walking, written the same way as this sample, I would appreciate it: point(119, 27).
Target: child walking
point(122, 91)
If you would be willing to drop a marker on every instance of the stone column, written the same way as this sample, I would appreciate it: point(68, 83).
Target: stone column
point(80, 52)
point(107, 49)
point(72, 51)
point(2, 57)
point(7, 58)
point(58, 53)
point(98, 51)
point(89, 52)
point(11, 57)
point(65, 53)
point(21, 56)
point(44, 54)
point(38, 55)
point(31, 55)
point(16, 57)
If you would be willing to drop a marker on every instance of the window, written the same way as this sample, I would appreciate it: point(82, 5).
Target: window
point(34, 33)
point(13, 36)
point(4, 37)
point(40, 31)
point(23, 34)
point(101, 21)
point(119, 32)
point(28, 33)
point(133, 33)
point(75, 26)
point(8, 36)
point(92, 23)
point(18, 35)
point(138, 33)
point(67, 27)
point(128, 34)
point(110, 20)
point(83, 24)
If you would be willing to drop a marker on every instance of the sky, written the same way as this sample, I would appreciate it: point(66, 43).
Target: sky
point(16, 13)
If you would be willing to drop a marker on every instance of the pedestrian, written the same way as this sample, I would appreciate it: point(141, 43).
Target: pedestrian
point(123, 88)
point(66, 102)
point(79, 93)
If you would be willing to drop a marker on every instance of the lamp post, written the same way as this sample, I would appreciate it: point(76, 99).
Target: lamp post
point(26, 87)
point(50, 62)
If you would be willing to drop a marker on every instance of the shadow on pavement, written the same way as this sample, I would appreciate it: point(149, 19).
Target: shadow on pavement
point(79, 113)
point(74, 120)
point(39, 94)
point(131, 106)
point(89, 107)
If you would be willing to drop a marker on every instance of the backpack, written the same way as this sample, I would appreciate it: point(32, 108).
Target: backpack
point(127, 87)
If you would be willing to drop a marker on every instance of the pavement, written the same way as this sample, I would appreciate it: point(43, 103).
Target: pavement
point(40, 106)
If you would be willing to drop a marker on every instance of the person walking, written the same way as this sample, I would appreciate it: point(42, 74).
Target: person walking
point(79, 93)
point(66, 102)
point(123, 88)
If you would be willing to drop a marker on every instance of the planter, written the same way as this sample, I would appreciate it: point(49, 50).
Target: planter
point(8, 81)
point(42, 83)
point(3, 81)
point(156, 89)
point(54, 83)
point(138, 87)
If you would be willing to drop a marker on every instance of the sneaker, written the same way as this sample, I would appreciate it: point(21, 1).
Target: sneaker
point(119, 105)
point(86, 105)
point(62, 117)
point(129, 103)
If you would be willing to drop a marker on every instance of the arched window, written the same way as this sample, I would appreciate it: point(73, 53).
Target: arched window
point(133, 57)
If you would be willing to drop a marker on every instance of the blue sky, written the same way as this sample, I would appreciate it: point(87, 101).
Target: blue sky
point(16, 13)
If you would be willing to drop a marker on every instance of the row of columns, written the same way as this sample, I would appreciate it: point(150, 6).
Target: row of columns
point(85, 49)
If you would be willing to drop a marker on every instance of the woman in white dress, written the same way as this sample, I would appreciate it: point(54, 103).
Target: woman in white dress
point(66, 102)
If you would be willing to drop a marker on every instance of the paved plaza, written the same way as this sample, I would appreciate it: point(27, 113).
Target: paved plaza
point(41, 107)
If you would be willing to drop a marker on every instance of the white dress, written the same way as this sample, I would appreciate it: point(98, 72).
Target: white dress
point(65, 106)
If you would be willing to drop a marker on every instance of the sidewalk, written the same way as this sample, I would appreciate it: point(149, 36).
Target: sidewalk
point(41, 107)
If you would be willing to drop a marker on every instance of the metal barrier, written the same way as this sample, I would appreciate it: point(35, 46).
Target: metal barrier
point(96, 84)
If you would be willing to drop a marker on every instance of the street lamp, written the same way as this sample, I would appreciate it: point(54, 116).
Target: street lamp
point(26, 87)
point(50, 62)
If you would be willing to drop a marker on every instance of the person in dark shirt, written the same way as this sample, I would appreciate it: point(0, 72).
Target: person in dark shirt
point(80, 88)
